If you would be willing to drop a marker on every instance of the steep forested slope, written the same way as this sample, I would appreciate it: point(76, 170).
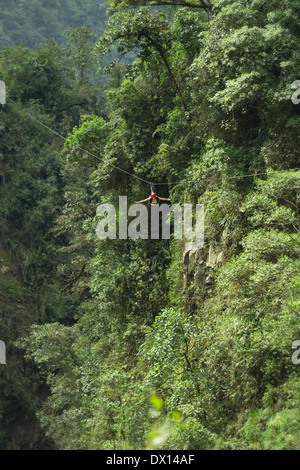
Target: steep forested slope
point(46, 85)
point(142, 344)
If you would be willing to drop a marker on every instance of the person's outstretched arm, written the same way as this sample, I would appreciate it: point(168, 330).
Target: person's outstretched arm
point(163, 199)
point(144, 200)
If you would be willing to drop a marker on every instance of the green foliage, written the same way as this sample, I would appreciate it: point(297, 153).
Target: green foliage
point(45, 86)
point(130, 360)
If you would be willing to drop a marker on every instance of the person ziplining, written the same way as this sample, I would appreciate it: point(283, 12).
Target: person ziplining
point(152, 199)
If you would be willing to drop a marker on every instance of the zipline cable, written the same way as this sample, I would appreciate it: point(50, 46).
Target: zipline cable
point(231, 177)
point(78, 147)
point(151, 184)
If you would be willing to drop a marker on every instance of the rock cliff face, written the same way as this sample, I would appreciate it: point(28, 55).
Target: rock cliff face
point(26, 434)
point(199, 267)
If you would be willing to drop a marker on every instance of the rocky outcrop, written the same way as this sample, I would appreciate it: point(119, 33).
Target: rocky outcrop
point(198, 274)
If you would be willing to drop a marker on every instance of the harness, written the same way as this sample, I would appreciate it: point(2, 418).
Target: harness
point(153, 200)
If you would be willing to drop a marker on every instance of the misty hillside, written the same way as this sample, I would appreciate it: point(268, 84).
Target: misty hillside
point(30, 23)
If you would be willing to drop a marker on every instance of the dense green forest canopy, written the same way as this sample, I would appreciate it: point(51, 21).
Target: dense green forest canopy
point(139, 344)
